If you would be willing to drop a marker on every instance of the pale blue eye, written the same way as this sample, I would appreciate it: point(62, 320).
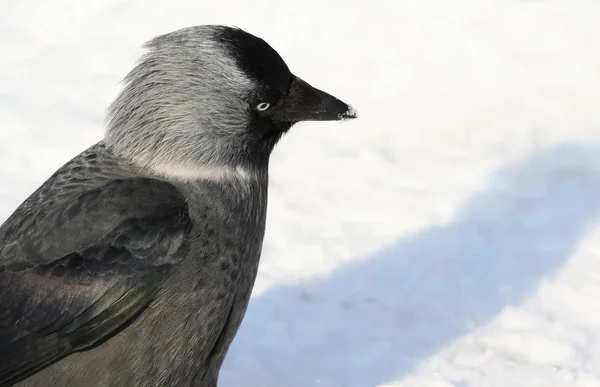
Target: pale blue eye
point(261, 107)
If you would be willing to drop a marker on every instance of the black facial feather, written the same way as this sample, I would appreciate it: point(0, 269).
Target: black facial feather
point(257, 59)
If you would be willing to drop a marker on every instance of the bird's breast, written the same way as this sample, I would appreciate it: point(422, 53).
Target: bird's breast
point(207, 295)
point(227, 236)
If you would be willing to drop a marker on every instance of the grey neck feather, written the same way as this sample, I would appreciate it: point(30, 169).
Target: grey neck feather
point(182, 106)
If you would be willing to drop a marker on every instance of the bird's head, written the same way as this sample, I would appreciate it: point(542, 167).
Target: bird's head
point(211, 97)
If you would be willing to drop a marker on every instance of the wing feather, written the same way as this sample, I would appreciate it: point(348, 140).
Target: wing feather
point(84, 270)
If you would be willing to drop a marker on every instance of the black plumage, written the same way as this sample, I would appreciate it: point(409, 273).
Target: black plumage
point(114, 240)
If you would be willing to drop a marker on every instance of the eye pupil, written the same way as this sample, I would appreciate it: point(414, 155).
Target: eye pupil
point(263, 106)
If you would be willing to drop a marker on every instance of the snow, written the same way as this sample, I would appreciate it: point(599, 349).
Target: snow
point(449, 237)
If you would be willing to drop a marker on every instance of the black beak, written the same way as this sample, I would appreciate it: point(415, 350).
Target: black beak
point(306, 103)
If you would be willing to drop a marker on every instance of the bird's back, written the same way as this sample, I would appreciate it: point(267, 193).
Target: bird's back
point(92, 168)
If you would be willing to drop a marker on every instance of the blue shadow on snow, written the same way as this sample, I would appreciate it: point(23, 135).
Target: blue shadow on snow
point(373, 320)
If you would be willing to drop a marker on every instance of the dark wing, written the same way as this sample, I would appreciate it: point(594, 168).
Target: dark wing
point(85, 270)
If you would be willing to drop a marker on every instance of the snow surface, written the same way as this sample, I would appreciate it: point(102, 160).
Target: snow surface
point(448, 237)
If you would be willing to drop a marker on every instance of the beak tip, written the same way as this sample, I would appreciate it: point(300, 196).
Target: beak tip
point(348, 114)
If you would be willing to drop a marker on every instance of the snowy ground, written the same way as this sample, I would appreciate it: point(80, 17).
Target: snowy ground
point(448, 237)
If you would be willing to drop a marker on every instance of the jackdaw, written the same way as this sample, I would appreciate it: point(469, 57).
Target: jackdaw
point(133, 264)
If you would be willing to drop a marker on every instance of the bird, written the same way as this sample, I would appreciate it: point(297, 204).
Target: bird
point(133, 264)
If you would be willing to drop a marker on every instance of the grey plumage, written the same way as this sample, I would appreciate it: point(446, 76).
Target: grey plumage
point(187, 118)
point(133, 264)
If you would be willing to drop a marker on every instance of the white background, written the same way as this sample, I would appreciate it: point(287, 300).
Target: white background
point(448, 237)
